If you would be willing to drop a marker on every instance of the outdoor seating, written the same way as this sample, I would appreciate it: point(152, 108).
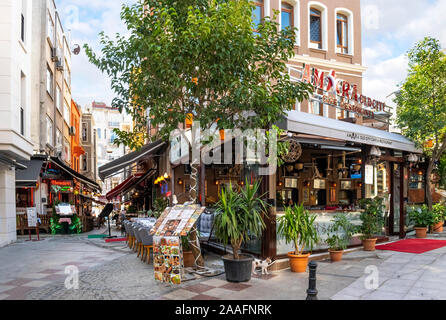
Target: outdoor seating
point(22, 223)
point(138, 246)
point(147, 243)
point(205, 226)
point(131, 235)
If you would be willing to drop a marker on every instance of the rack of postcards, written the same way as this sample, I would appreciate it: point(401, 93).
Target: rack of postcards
point(174, 223)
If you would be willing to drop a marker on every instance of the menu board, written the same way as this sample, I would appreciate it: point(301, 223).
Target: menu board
point(65, 209)
point(32, 216)
point(173, 223)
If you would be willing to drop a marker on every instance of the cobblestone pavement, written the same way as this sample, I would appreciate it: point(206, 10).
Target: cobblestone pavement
point(111, 271)
point(403, 276)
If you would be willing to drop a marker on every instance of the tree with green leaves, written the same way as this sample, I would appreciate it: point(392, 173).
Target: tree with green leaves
point(421, 101)
point(198, 57)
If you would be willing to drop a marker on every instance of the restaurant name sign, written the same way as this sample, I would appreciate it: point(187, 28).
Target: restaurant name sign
point(344, 94)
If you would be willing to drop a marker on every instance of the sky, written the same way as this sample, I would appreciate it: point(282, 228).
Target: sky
point(389, 29)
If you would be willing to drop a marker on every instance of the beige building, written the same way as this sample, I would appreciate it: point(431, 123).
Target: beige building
point(88, 161)
point(51, 91)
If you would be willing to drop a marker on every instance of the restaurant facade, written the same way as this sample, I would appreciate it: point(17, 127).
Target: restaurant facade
point(340, 147)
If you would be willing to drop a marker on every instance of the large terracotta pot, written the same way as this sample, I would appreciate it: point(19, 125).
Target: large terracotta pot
point(336, 255)
point(369, 244)
point(188, 259)
point(298, 263)
point(438, 227)
point(421, 232)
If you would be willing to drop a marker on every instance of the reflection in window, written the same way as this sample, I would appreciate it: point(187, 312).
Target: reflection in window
point(316, 27)
point(342, 33)
point(257, 13)
point(287, 16)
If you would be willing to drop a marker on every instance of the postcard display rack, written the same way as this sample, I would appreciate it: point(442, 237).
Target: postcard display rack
point(174, 223)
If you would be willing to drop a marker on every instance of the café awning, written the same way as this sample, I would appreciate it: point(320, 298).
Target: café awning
point(122, 187)
point(75, 174)
point(302, 122)
point(30, 176)
point(115, 166)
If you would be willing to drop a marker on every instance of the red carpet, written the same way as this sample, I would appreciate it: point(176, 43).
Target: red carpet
point(116, 240)
point(413, 245)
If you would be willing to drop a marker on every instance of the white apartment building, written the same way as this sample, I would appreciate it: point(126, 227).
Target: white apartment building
point(106, 119)
point(15, 105)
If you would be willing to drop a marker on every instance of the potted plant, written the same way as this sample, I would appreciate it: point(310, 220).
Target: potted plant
point(188, 256)
point(297, 226)
point(239, 215)
point(372, 221)
point(421, 217)
point(339, 236)
point(439, 213)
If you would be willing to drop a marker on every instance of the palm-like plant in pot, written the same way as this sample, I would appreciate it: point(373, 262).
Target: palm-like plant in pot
point(239, 216)
point(372, 221)
point(339, 235)
point(439, 213)
point(297, 226)
point(421, 217)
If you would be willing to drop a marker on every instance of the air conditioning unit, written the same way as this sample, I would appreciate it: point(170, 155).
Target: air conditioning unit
point(54, 56)
point(72, 131)
point(60, 65)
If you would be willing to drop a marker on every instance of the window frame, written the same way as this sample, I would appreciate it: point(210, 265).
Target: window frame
point(319, 43)
point(343, 47)
point(50, 73)
point(290, 11)
point(261, 4)
point(49, 131)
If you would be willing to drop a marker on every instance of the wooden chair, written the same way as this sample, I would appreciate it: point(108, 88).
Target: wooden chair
point(147, 253)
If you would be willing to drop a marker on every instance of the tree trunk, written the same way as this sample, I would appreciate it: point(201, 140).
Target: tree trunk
point(195, 251)
point(429, 187)
point(235, 248)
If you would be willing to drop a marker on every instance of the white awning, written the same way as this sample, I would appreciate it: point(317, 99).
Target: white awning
point(302, 122)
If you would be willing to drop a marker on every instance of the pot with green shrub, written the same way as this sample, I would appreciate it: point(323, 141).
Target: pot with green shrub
point(339, 235)
point(188, 256)
point(239, 215)
point(439, 214)
point(421, 217)
point(297, 226)
point(371, 221)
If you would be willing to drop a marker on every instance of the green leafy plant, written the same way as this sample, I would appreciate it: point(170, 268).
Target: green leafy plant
point(372, 217)
point(239, 215)
point(297, 226)
point(421, 101)
point(438, 212)
point(159, 205)
point(54, 220)
point(340, 232)
point(132, 208)
point(185, 243)
point(421, 216)
point(76, 224)
point(200, 57)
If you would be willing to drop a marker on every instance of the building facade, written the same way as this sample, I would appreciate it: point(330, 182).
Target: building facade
point(88, 161)
point(76, 149)
point(51, 92)
point(106, 120)
point(15, 104)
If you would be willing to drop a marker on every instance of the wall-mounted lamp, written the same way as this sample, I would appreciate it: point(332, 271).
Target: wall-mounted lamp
point(375, 152)
point(180, 182)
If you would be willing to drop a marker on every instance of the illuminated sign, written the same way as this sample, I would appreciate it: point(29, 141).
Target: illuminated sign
point(344, 95)
point(61, 183)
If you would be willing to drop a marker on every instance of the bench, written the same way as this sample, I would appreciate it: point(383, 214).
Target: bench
point(22, 223)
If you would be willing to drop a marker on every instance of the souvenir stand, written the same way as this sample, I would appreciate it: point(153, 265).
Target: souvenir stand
point(174, 223)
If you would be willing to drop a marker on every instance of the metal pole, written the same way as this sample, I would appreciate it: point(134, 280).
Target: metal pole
point(312, 291)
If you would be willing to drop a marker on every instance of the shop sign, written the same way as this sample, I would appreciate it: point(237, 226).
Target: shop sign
point(345, 95)
point(353, 136)
point(167, 250)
